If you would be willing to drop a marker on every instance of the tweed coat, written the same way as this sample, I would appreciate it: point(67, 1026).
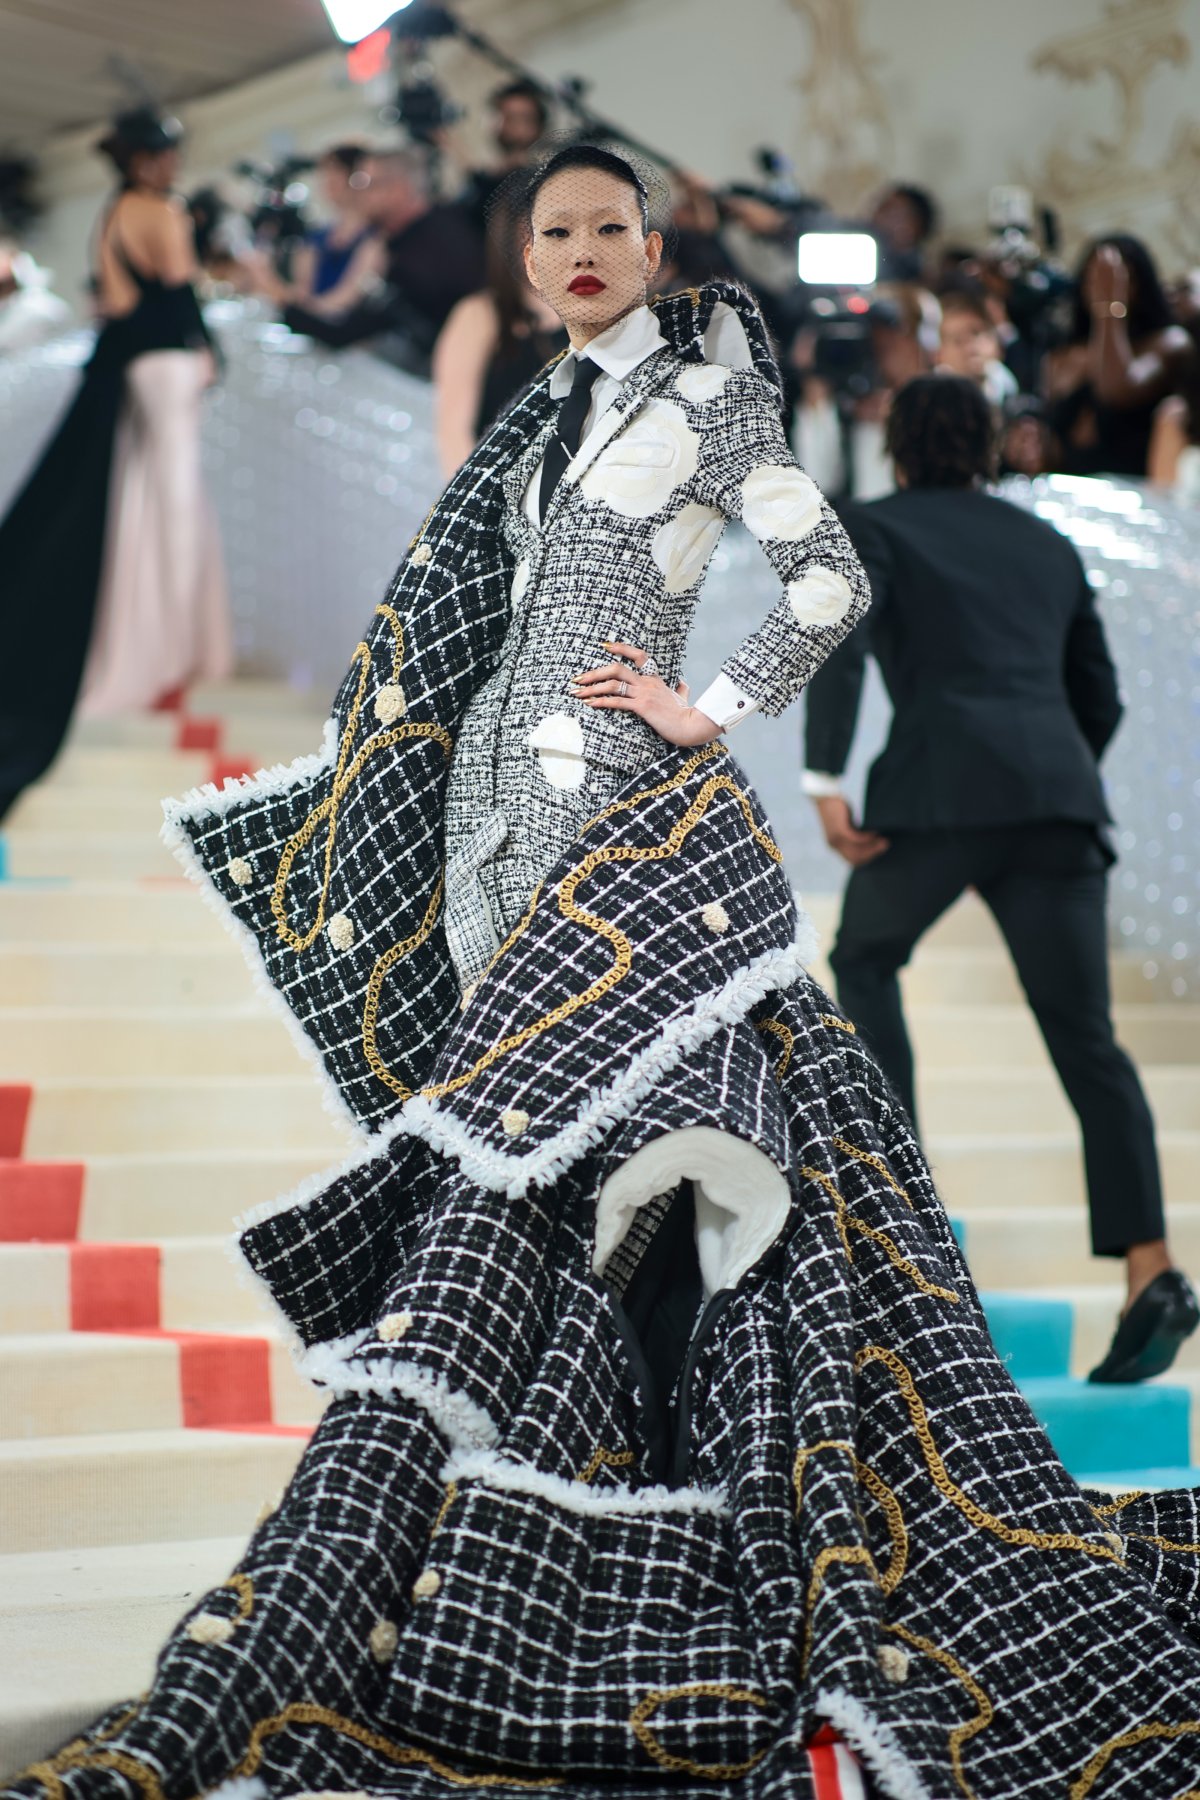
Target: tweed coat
point(620, 555)
point(494, 1567)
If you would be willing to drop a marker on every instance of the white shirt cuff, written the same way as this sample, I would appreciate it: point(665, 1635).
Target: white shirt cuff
point(819, 786)
point(725, 703)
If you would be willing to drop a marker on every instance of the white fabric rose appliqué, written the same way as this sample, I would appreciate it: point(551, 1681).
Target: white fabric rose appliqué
point(682, 546)
point(780, 501)
point(637, 473)
point(558, 740)
point(704, 381)
point(820, 597)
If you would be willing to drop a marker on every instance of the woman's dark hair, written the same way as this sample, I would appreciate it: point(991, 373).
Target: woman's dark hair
point(941, 433)
point(347, 156)
point(506, 231)
point(142, 132)
point(589, 156)
point(922, 203)
point(1149, 308)
point(523, 90)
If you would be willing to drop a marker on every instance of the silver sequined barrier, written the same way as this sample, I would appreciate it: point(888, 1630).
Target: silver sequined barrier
point(322, 466)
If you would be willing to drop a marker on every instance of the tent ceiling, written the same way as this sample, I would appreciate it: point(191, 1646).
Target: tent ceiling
point(61, 61)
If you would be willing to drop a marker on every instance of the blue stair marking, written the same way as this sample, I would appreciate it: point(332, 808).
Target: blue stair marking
point(1129, 1479)
point(1032, 1335)
point(3, 860)
point(960, 1232)
point(1098, 1427)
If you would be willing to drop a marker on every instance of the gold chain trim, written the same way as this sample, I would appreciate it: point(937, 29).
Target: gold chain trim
point(1119, 1504)
point(379, 974)
point(343, 777)
point(875, 1162)
point(1127, 1739)
point(878, 1490)
point(303, 1712)
point(621, 946)
point(833, 1553)
point(836, 1024)
point(243, 1587)
point(961, 1733)
point(983, 1521)
point(787, 1037)
point(848, 1222)
point(716, 1690)
point(605, 1459)
point(444, 1508)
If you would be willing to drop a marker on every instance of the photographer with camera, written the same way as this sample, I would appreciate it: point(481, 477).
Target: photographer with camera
point(433, 255)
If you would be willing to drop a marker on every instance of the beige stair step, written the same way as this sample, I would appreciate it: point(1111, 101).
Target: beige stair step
point(212, 974)
point(198, 1288)
point(138, 1486)
point(98, 769)
point(114, 808)
point(126, 855)
point(75, 1119)
point(80, 1630)
point(1020, 1171)
point(957, 1036)
point(1053, 1249)
point(68, 1383)
point(193, 1193)
point(255, 699)
point(64, 1041)
point(949, 975)
point(995, 1100)
point(166, 913)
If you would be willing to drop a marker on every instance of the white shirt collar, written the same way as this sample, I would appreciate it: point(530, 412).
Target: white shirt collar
point(619, 350)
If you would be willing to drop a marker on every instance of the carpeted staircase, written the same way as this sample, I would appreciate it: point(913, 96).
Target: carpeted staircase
point(148, 1408)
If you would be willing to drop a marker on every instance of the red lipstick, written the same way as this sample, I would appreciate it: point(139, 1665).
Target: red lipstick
point(587, 284)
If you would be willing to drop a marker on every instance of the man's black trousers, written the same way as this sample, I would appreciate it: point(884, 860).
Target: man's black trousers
point(1045, 886)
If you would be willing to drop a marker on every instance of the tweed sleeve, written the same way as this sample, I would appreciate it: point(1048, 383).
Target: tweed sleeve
point(747, 472)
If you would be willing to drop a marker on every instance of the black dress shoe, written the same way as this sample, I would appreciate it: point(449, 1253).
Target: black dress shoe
point(1147, 1339)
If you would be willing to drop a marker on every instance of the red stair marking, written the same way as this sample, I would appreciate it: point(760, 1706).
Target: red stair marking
point(15, 1100)
point(230, 768)
point(823, 1764)
point(114, 1287)
point(39, 1201)
point(198, 734)
point(171, 701)
point(223, 1380)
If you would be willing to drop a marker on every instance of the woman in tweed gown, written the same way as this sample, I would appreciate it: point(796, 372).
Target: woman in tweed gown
point(667, 1450)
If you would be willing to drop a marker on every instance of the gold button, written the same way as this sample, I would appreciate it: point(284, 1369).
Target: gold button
point(426, 1585)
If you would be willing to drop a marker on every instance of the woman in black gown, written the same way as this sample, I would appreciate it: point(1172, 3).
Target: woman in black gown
point(107, 544)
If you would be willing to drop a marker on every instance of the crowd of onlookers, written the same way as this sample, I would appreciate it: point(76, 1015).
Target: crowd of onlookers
point(1091, 371)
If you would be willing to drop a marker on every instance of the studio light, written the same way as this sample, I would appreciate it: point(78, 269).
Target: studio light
point(838, 258)
point(355, 19)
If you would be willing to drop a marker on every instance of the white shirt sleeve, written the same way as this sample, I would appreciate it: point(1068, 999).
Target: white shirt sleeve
point(819, 786)
point(725, 703)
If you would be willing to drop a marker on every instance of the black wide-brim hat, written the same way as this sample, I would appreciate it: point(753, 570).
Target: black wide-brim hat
point(142, 129)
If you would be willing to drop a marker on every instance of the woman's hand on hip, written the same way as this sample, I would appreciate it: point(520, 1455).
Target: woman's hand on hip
point(641, 690)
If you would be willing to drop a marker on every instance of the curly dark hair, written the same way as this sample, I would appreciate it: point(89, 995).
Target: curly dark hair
point(941, 433)
point(1149, 308)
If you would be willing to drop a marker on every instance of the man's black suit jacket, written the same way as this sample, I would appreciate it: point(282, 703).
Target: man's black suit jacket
point(987, 636)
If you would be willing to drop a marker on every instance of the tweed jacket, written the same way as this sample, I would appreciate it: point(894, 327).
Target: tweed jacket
point(621, 555)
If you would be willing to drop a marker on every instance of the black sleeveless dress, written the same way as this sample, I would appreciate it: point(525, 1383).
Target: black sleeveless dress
point(52, 538)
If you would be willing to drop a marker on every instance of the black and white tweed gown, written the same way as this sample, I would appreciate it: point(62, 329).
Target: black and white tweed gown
point(493, 1568)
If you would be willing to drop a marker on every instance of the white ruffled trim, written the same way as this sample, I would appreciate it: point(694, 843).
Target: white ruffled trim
point(314, 1185)
point(515, 1175)
point(248, 1277)
point(575, 1496)
point(875, 1742)
point(240, 1787)
point(464, 1424)
point(210, 802)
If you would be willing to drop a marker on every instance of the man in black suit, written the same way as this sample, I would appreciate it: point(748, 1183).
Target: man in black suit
point(1004, 697)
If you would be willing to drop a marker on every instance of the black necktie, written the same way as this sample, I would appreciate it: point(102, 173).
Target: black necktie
point(569, 429)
